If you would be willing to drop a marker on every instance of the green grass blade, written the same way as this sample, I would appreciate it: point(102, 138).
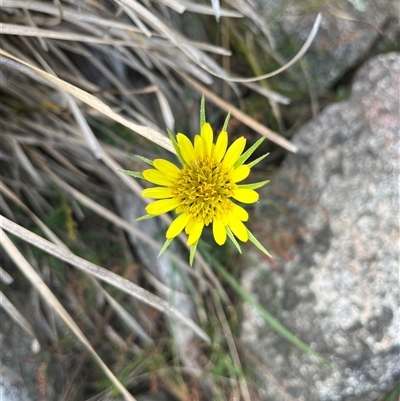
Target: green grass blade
point(233, 239)
point(248, 153)
point(393, 395)
point(176, 146)
point(132, 173)
point(254, 162)
point(192, 253)
point(165, 246)
point(255, 241)
point(145, 217)
point(144, 159)
point(254, 185)
point(274, 323)
point(225, 126)
point(202, 112)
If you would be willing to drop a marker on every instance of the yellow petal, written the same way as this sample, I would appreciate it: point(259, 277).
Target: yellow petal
point(245, 195)
point(241, 173)
point(240, 213)
point(157, 193)
point(208, 137)
point(198, 147)
point(167, 168)
point(185, 147)
point(195, 233)
point(234, 151)
point(189, 226)
point(220, 146)
point(238, 228)
point(219, 232)
point(156, 177)
point(177, 226)
point(162, 206)
point(224, 218)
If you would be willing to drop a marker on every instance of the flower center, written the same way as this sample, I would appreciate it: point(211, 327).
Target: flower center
point(204, 189)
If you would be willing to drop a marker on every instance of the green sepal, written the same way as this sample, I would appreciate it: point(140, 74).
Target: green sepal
point(144, 159)
point(146, 217)
point(165, 246)
point(255, 241)
point(233, 239)
point(248, 153)
point(192, 252)
point(254, 162)
point(176, 146)
point(254, 185)
point(225, 126)
point(202, 112)
point(132, 173)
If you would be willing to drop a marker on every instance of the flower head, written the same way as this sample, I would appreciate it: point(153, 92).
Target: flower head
point(205, 189)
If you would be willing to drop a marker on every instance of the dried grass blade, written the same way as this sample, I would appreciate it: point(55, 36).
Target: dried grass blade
point(6, 209)
point(132, 15)
point(32, 23)
point(247, 8)
point(102, 274)
point(63, 160)
point(23, 30)
point(250, 122)
point(26, 163)
point(5, 278)
point(67, 13)
point(232, 346)
point(97, 104)
point(50, 298)
point(268, 93)
point(294, 60)
point(175, 5)
point(127, 318)
point(46, 230)
point(166, 111)
point(18, 318)
point(217, 9)
point(87, 132)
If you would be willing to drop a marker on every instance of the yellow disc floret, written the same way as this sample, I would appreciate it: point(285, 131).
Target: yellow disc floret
point(203, 189)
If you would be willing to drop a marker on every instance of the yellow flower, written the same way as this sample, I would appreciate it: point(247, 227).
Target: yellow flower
point(204, 190)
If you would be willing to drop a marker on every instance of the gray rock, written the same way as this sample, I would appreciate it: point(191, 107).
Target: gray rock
point(335, 242)
point(348, 33)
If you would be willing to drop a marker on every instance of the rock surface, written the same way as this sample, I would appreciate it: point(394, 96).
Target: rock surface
point(349, 31)
point(331, 223)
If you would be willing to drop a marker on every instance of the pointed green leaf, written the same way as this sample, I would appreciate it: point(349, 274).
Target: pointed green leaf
point(132, 173)
point(165, 246)
point(248, 153)
point(148, 161)
point(202, 112)
point(255, 241)
point(192, 252)
point(233, 239)
point(176, 146)
point(225, 126)
point(254, 162)
point(254, 185)
point(145, 217)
